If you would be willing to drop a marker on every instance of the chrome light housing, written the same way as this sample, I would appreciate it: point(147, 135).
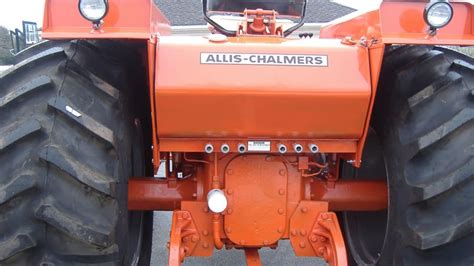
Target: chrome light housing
point(93, 10)
point(438, 14)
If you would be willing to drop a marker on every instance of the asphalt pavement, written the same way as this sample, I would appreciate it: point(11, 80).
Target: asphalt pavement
point(282, 256)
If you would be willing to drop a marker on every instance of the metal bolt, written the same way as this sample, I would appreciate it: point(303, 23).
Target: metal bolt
point(229, 171)
point(303, 232)
point(325, 216)
point(321, 251)
point(282, 172)
point(205, 245)
point(230, 211)
point(302, 244)
point(205, 209)
point(205, 233)
point(194, 238)
point(281, 211)
point(313, 238)
point(294, 232)
point(281, 192)
point(265, 242)
point(208, 148)
point(225, 148)
point(304, 210)
point(230, 191)
point(185, 215)
point(280, 230)
point(228, 230)
point(194, 195)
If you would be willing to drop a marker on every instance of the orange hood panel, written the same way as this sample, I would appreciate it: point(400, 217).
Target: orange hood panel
point(261, 88)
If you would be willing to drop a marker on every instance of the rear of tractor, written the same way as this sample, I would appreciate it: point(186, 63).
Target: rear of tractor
point(356, 146)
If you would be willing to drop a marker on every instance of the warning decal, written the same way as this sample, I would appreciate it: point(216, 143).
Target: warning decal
point(264, 59)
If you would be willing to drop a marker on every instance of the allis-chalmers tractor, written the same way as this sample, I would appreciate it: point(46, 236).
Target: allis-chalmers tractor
point(355, 145)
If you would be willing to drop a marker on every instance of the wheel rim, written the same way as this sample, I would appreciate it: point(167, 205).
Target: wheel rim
point(365, 232)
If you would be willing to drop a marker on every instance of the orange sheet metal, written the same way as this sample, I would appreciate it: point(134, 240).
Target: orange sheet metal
point(197, 145)
point(126, 19)
point(225, 101)
point(402, 22)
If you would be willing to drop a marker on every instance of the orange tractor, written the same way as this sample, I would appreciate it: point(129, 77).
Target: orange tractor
point(357, 145)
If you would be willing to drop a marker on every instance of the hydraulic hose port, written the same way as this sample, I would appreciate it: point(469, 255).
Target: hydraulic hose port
point(282, 148)
point(298, 148)
point(225, 148)
point(242, 148)
point(313, 148)
point(208, 148)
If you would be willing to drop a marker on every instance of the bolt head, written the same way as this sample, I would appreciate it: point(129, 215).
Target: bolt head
point(303, 232)
point(230, 171)
point(282, 172)
point(313, 238)
point(205, 245)
point(304, 210)
point(185, 215)
point(280, 230)
point(294, 232)
point(230, 191)
point(228, 230)
point(281, 211)
point(325, 216)
point(194, 239)
point(230, 211)
point(302, 244)
point(205, 233)
point(321, 251)
point(281, 192)
point(265, 242)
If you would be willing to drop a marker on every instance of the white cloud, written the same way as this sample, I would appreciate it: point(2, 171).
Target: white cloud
point(13, 12)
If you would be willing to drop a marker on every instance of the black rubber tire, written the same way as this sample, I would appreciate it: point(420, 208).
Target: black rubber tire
point(424, 117)
point(66, 135)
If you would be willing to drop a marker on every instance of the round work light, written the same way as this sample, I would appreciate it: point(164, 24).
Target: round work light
point(438, 14)
point(93, 10)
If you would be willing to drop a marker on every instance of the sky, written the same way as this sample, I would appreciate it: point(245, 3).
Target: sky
point(13, 12)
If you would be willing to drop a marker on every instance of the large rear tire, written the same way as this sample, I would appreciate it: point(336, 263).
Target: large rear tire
point(66, 152)
point(424, 118)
